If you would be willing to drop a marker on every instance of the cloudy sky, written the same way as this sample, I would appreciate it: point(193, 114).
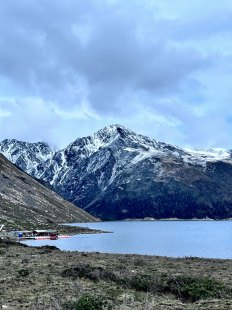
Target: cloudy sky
point(160, 68)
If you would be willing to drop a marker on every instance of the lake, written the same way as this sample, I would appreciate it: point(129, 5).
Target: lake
point(208, 239)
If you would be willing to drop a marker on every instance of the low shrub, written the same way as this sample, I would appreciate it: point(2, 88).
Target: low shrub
point(81, 271)
point(22, 273)
point(141, 282)
point(47, 249)
point(86, 302)
point(89, 272)
point(194, 288)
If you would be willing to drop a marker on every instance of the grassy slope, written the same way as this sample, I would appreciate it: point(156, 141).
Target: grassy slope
point(25, 202)
point(33, 278)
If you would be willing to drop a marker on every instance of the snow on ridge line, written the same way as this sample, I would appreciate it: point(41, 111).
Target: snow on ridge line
point(209, 154)
point(96, 141)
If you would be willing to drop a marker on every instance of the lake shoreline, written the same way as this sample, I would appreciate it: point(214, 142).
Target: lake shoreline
point(208, 239)
point(174, 219)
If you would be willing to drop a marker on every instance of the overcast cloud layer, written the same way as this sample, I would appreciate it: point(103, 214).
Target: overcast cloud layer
point(161, 68)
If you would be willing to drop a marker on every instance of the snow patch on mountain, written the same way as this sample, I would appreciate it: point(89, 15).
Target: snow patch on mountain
point(202, 156)
point(28, 156)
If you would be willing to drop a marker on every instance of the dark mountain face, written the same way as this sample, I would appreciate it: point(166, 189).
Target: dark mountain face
point(117, 174)
point(24, 201)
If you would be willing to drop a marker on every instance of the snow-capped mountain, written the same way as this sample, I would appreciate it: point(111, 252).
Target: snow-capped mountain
point(28, 156)
point(118, 174)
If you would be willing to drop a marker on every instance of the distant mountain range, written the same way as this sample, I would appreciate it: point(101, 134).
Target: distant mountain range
point(25, 202)
point(118, 174)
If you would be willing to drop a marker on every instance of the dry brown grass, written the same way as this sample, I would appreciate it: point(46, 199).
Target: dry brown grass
point(33, 278)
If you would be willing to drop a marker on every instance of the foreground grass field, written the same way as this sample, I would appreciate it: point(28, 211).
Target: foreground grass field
point(46, 278)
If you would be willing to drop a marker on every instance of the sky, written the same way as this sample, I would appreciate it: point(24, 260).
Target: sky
point(162, 68)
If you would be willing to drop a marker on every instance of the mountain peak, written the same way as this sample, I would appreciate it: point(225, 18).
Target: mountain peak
point(31, 144)
point(113, 129)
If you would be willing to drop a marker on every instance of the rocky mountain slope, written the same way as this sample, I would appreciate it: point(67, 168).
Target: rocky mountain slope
point(24, 201)
point(117, 174)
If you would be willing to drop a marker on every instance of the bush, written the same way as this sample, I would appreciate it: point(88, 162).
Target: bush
point(185, 288)
point(192, 289)
point(23, 273)
point(89, 272)
point(47, 249)
point(141, 282)
point(86, 302)
point(82, 271)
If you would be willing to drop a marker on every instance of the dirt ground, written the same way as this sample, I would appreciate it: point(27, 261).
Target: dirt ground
point(47, 278)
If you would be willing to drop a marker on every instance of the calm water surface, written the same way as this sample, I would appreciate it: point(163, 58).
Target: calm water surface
point(209, 239)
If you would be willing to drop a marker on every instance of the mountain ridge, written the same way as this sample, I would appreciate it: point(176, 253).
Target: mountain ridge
point(25, 202)
point(118, 174)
